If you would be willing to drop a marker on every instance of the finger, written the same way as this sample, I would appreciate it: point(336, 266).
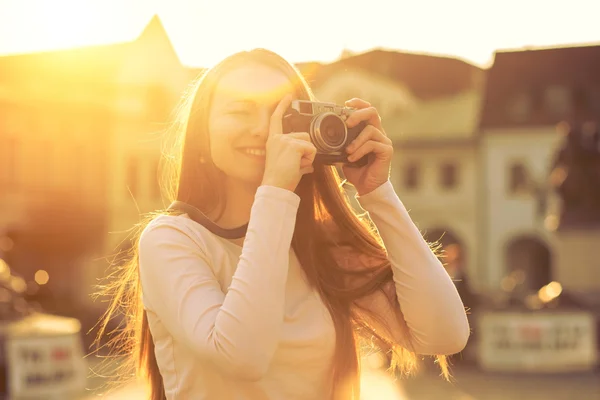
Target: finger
point(306, 162)
point(299, 136)
point(307, 170)
point(275, 125)
point(381, 151)
point(357, 103)
point(307, 159)
point(368, 114)
point(310, 155)
point(369, 133)
point(307, 149)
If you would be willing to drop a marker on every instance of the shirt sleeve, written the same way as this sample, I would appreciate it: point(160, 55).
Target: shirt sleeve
point(237, 331)
point(432, 308)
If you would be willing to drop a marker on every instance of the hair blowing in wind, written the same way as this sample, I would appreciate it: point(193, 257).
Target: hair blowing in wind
point(340, 252)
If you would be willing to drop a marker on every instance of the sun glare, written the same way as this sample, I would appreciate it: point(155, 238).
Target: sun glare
point(41, 25)
point(204, 32)
point(379, 385)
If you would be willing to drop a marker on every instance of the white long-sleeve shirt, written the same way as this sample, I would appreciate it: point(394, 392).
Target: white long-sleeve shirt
point(241, 322)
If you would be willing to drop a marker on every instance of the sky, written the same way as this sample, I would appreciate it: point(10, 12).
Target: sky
point(203, 32)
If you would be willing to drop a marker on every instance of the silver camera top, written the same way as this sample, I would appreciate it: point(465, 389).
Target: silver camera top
point(305, 107)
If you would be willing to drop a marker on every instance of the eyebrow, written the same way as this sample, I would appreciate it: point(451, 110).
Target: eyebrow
point(250, 102)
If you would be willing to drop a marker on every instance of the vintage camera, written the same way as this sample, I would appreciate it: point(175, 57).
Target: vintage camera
point(326, 125)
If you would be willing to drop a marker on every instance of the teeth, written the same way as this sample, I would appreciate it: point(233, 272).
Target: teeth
point(255, 152)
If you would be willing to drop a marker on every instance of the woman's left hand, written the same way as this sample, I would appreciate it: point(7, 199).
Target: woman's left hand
point(372, 141)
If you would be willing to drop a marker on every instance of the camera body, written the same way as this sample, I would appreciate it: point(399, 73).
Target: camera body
point(326, 125)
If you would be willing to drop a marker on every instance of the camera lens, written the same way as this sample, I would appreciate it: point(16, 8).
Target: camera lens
point(328, 132)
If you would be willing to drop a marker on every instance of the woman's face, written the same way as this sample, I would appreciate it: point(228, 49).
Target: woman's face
point(238, 127)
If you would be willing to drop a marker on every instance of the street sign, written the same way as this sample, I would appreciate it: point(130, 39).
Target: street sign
point(542, 341)
point(44, 360)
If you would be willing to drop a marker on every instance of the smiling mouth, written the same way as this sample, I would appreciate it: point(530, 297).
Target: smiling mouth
point(254, 152)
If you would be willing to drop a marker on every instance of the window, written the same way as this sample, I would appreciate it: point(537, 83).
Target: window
point(518, 179)
point(397, 110)
point(132, 176)
point(581, 101)
point(48, 164)
point(411, 176)
point(155, 179)
point(521, 107)
point(346, 95)
point(78, 172)
point(12, 158)
point(158, 106)
point(376, 102)
point(448, 175)
point(8, 161)
point(593, 98)
point(558, 100)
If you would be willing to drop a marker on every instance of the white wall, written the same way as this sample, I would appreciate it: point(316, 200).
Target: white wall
point(433, 207)
point(387, 96)
point(507, 215)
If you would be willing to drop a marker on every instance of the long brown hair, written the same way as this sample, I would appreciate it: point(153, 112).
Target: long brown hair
point(326, 226)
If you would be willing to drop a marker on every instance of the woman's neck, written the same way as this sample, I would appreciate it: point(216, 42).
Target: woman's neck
point(239, 198)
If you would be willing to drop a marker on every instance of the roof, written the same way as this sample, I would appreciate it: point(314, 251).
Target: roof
point(526, 76)
point(90, 64)
point(448, 118)
point(439, 85)
point(86, 63)
point(426, 76)
point(446, 92)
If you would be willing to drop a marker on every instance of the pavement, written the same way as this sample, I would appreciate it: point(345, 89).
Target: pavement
point(469, 383)
point(130, 391)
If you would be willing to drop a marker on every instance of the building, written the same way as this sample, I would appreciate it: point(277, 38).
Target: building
point(81, 133)
point(430, 108)
point(435, 175)
point(80, 136)
point(527, 94)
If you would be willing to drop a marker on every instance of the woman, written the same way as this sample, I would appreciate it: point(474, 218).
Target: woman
point(279, 313)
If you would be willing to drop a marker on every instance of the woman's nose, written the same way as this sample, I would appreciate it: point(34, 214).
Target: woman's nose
point(262, 123)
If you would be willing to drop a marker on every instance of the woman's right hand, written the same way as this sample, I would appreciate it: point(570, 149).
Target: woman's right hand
point(288, 156)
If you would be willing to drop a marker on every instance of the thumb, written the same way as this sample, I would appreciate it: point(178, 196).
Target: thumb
point(275, 125)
